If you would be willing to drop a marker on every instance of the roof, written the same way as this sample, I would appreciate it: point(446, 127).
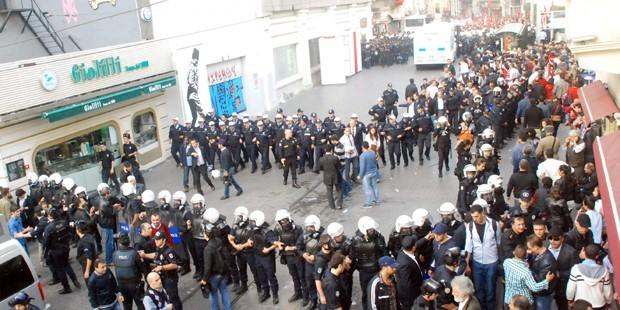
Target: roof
point(596, 101)
point(515, 28)
point(607, 160)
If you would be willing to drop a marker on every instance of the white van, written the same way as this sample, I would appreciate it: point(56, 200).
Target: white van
point(17, 272)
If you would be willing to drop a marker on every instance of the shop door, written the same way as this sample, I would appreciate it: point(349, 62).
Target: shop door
point(332, 54)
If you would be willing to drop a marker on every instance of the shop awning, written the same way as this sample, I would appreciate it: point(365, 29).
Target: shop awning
point(596, 101)
point(514, 28)
point(607, 159)
point(106, 100)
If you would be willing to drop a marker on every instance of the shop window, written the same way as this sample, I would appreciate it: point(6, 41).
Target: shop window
point(285, 61)
point(144, 129)
point(16, 170)
point(76, 153)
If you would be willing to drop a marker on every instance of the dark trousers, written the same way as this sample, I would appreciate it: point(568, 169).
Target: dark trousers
point(171, 285)
point(306, 157)
point(444, 157)
point(391, 108)
point(295, 266)
point(213, 152)
point(58, 260)
point(236, 153)
point(106, 176)
point(266, 270)
point(264, 158)
point(382, 150)
point(231, 261)
point(330, 195)
point(132, 291)
point(175, 147)
point(318, 153)
point(424, 144)
point(407, 150)
point(243, 260)
point(394, 149)
point(365, 277)
point(453, 119)
point(309, 278)
point(188, 248)
point(290, 163)
point(198, 256)
point(252, 154)
point(197, 172)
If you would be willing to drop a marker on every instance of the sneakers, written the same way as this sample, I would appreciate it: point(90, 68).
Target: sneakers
point(367, 206)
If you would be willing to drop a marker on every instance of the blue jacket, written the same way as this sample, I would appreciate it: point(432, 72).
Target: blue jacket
point(368, 163)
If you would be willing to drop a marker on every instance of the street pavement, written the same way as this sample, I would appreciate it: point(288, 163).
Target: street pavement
point(402, 190)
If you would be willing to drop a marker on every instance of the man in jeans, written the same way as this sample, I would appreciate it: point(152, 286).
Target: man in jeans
point(215, 270)
point(350, 155)
point(106, 218)
point(482, 241)
point(369, 175)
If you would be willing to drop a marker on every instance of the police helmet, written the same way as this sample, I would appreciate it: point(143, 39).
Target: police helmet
point(127, 189)
point(313, 220)
point(79, 190)
point(179, 195)
point(442, 120)
point(497, 89)
point(335, 229)
point(495, 181)
point(477, 98)
point(467, 116)
point(484, 189)
point(258, 217)
point(419, 216)
point(282, 214)
point(165, 195)
point(366, 223)
point(430, 287)
point(68, 183)
point(452, 256)
point(211, 215)
point(56, 178)
point(488, 133)
point(242, 212)
point(197, 199)
point(32, 177)
point(403, 221)
point(215, 173)
point(481, 202)
point(43, 178)
point(446, 208)
point(469, 168)
point(102, 187)
point(148, 196)
point(486, 148)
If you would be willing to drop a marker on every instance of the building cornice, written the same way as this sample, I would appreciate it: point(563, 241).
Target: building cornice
point(608, 46)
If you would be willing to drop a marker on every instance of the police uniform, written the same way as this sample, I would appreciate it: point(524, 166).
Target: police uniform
point(395, 242)
point(390, 97)
point(263, 140)
point(198, 239)
point(289, 150)
point(346, 278)
point(176, 136)
point(249, 143)
point(393, 133)
point(241, 233)
point(278, 134)
point(56, 239)
point(424, 129)
point(408, 140)
point(321, 267)
point(466, 195)
point(213, 136)
point(292, 259)
point(86, 249)
point(309, 244)
point(443, 146)
point(378, 112)
point(263, 237)
point(129, 276)
point(305, 136)
point(320, 140)
point(335, 293)
point(170, 278)
point(365, 254)
point(178, 218)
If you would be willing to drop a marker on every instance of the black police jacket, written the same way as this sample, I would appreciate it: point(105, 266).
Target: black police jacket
point(128, 263)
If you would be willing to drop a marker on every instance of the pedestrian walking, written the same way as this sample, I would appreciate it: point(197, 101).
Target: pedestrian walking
point(369, 174)
point(229, 170)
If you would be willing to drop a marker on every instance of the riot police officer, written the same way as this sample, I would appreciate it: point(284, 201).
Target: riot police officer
point(213, 134)
point(340, 243)
point(408, 140)
point(445, 273)
point(56, 239)
point(424, 128)
point(249, 132)
point(321, 262)
point(390, 97)
point(263, 142)
point(442, 143)
point(129, 273)
point(288, 233)
point(164, 208)
point(222, 230)
point(289, 154)
point(402, 228)
point(263, 242)
point(278, 128)
point(378, 111)
point(467, 190)
point(319, 140)
point(309, 245)
point(456, 229)
point(367, 247)
point(181, 219)
point(428, 299)
point(305, 136)
point(199, 241)
point(166, 261)
point(233, 141)
point(243, 253)
point(393, 134)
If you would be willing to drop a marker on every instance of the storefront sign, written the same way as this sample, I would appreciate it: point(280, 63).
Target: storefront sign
point(48, 79)
point(107, 100)
point(102, 68)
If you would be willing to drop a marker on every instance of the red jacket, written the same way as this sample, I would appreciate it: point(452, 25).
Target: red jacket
point(164, 229)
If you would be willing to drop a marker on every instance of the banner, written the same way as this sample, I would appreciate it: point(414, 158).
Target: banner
point(176, 236)
point(227, 97)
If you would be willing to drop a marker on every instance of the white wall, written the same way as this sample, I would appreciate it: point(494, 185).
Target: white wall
point(587, 18)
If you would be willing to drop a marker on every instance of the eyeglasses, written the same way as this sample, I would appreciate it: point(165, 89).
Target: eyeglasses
point(555, 238)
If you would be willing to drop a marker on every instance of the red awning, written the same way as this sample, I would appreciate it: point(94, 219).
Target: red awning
point(596, 101)
point(607, 159)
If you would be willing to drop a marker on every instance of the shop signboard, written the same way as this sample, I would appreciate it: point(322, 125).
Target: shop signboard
point(102, 68)
point(226, 87)
point(101, 102)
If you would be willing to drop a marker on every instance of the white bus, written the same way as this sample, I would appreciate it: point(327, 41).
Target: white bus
point(413, 23)
point(434, 44)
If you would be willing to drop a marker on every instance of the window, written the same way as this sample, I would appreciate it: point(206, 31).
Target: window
point(76, 153)
point(417, 22)
point(285, 61)
point(16, 170)
point(14, 276)
point(144, 129)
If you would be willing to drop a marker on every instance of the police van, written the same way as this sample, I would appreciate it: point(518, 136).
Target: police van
point(17, 272)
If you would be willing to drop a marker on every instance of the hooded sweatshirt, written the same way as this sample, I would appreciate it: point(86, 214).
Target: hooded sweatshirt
point(590, 281)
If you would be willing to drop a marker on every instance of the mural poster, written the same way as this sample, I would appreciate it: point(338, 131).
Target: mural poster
point(227, 97)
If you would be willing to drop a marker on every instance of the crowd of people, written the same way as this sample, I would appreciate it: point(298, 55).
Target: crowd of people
point(387, 49)
point(541, 237)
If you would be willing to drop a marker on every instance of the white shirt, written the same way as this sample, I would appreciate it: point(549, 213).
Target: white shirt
point(596, 221)
point(463, 304)
point(432, 91)
point(350, 151)
point(372, 142)
point(550, 168)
